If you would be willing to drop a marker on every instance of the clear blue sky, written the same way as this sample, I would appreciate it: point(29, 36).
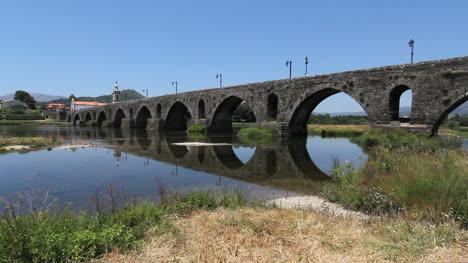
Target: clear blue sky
point(82, 47)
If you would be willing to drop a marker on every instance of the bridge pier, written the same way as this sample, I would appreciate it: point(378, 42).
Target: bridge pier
point(127, 123)
point(155, 124)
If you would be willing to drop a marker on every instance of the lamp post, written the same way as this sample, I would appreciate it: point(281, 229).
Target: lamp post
point(411, 44)
point(289, 63)
point(220, 77)
point(306, 63)
point(175, 83)
point(146, 92)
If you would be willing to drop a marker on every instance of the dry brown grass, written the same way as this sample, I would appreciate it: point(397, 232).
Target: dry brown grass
point(340, 127)
point(276, 235)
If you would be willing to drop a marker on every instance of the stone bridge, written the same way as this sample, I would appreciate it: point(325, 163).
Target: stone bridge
point(438, 87)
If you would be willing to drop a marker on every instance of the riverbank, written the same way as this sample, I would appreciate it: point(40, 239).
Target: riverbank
point(280, 235)
point(336, 130)
point(206, 227)
point(34, 122)
point(26, 144)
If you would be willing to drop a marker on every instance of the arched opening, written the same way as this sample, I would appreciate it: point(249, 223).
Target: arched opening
point(158, 111)
point(328, 106)
point(177, 117)
point(119, 115)
point(101, 118)
point(232, 109)
point(69, 118)
point(88, 117)
point(142, 117)
point(272, 107)
point(400, 103)
point(76, 119)
point(94, 115)
point(454, 118)
point(131, 113)
point(201, 109)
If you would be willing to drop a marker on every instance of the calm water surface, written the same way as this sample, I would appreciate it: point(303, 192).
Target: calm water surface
point(138, 162)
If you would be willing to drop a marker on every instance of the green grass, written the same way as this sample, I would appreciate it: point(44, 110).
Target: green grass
point(196, 128)
point(333, 132)
point(34, 122)
point(261, 135)
point(421, 177)
point(78, 237)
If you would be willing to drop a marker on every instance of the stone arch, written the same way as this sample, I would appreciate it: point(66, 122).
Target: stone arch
point(441, 118)
point(158, 111)
point(177, 117)
point(228, 157)
point(76, 118)
point(201, 109)
point(394, 102)
point(272, 106)
point(301, 158)
point(119, 115)
point(222, 117)
point(94, 115)
point(141, 120)
point(69, 118)
point(88, 117)
point(131, 113)
point(101, 118)
point(303, 110)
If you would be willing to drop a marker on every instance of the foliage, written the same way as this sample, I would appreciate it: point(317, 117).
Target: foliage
point(77, 237)
point(425, 178)
point(342, 119)
point(260, 135)
point(22, 117)
point(398, 138)
point(25, 97)
point(336, 130)
point(196, 128)
point(243, 113)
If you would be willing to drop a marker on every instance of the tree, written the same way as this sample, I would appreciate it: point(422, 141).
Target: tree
point(25, 97)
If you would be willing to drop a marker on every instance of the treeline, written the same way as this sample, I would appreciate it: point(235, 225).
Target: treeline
point(128, 94)
point(343, 120)
point(456, 122)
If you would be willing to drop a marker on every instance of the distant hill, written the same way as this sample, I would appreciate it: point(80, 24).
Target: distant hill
point(39, 97)
point(127, 94)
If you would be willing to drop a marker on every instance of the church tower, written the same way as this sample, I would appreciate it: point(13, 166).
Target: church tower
point(116, 93)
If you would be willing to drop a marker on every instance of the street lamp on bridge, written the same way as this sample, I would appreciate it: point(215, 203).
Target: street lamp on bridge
point(175, 83)
point(411, 44)
point(220, 77)
point(146, 92)
point(306, 63)
point(289, 63)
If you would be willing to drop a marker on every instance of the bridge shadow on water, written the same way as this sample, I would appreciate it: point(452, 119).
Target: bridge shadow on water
point(284, 166)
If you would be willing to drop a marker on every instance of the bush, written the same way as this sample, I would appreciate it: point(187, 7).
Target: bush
point(77, 237)
point(196, 128)
point(22, 117)
point(258, 135)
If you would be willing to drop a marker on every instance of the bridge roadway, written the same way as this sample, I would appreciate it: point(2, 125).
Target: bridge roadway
point(438, 87)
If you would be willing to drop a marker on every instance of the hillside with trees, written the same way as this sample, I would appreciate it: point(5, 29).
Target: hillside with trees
point(128, 94)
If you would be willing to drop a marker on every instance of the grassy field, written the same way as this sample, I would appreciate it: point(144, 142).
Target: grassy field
point(278, 235)
point(336, 130)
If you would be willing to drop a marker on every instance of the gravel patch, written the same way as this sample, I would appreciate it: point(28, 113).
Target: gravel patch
point(315, 203)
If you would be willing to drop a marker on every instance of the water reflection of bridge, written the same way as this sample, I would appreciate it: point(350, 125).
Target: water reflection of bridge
point(286, 166)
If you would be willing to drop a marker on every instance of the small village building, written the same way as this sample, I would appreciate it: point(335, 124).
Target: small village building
point(55, 107)
point(78, 105)
point(13, 105)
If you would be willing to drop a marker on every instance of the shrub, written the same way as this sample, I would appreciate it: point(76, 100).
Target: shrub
point(196, 128)
point(258, 135)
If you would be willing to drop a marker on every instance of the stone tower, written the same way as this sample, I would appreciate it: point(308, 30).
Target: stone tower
point(116, 93)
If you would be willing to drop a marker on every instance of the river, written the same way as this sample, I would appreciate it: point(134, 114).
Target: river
point(137, 163)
